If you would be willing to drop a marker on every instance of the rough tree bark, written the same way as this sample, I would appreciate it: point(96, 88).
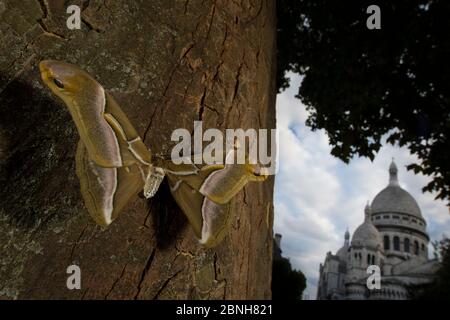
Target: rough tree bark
point(168, 63)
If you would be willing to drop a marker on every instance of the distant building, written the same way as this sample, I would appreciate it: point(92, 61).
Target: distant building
point(392, 236)
point(277, 246)
point(287, 283)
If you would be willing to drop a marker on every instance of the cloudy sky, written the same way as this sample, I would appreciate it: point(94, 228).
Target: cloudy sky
point(317, 196)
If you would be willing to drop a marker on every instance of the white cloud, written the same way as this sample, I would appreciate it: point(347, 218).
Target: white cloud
point(317, 196)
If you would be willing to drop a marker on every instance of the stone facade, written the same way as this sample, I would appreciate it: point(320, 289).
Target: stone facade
point(393, 237)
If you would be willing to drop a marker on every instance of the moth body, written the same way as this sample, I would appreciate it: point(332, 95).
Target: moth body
point(153, 180)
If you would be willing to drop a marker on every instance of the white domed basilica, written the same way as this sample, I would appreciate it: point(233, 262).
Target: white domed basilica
point(393, 236)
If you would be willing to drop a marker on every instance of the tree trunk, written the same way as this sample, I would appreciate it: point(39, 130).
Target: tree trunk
point(167, 63)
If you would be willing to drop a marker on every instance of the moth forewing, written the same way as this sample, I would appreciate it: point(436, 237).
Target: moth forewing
point(217, 219)
point(196, 180)
point(222, 185)
point(95, 132)
point(98, 186)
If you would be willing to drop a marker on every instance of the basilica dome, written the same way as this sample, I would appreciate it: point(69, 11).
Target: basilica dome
point(367, 235)
point(394, 199)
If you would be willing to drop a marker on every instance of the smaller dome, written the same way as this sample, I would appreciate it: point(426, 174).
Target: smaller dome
point(366, 235)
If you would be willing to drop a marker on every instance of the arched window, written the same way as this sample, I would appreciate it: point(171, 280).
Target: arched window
point(368, 258)
point(423, 247)
point(373, 260)
point(416, 247)
point(406, 245)
point(396, 243)
point(387, 244)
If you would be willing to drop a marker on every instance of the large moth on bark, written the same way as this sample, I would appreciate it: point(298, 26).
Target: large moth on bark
point(114, 165)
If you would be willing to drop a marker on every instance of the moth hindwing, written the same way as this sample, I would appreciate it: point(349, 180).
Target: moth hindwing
point(106, 191)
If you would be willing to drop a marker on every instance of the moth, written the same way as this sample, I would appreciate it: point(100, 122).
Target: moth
point(112, 162)
point(114, 165)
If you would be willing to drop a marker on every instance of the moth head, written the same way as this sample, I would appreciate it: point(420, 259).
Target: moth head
point(65, 80)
